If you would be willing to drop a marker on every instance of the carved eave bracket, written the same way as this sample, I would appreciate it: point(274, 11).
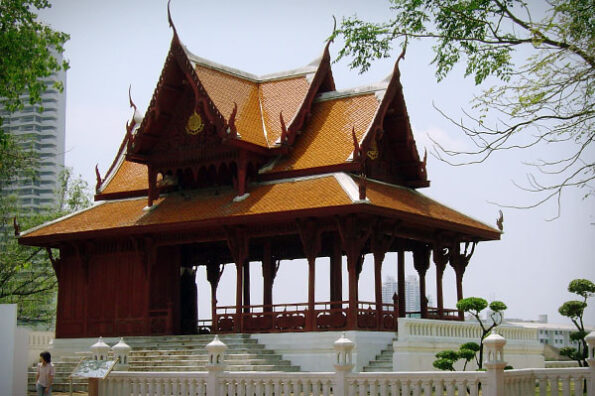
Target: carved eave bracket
point(459, 260)
point(310, 236)
point(238, 243)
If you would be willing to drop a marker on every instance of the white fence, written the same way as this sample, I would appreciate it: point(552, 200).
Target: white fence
point(39, 341)
point(419, 340)
point(342, 382)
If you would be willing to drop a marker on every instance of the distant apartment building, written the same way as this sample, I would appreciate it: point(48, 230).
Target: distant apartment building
point(556, 335)
point(42, 134)
point(412, 297)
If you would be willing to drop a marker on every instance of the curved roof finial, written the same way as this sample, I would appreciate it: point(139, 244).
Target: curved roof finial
point(171, 22)
point(331, 38)
point(130, 98)
point(402, 55)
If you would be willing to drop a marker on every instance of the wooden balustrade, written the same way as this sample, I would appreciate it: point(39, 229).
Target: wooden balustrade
point(329, 316)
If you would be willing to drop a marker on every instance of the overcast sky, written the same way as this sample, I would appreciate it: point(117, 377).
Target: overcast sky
point(117, 43)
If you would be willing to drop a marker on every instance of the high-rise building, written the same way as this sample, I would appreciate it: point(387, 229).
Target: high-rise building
point(412, 298)
point(43, 134)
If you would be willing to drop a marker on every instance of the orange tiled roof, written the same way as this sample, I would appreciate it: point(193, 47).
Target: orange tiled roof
point(206, 205)
point(327, 191)
point(259, 102)
point(281, 96)
point(128, 176)
point(413, 203)
point(327, 138)
point(225, 89)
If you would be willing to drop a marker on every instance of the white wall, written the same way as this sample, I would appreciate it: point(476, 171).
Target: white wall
point(314, 351)
point(8, 328)
point(419, 341)
point(21, 361)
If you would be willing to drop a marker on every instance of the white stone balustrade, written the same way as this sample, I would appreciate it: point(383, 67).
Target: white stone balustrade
point(493, 382)
point(420, 339)
point(39, 341)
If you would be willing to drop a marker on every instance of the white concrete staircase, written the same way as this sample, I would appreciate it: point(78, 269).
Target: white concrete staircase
point(177, 353)
point(382, 362)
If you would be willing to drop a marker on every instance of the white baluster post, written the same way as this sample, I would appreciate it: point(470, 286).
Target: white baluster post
point(216, 349)
point(494, 345)
point(590, 339)
point(100, 350)
point(121, 352)
point(343, 364)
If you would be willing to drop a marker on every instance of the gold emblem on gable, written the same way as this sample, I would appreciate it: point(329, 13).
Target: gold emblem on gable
point(373, 151)
point(195, 125)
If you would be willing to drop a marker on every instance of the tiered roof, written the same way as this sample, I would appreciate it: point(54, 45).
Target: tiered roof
point(311, 144)
point(294, 198)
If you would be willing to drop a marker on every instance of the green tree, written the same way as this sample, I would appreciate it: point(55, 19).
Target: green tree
point(28, 59)
point(542, 100)
point(474, 306)
point(28, 50)
point(575, 310)
point(445, 360)
point(26, 274)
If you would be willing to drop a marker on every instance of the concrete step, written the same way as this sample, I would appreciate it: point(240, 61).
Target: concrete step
point(177, 353)
point(383, 362)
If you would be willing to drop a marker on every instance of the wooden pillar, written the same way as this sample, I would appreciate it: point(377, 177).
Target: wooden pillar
point(440, 256)
point(336, 275)
point(351, 272)
point(379, 244)
point(246, 286)
point(267, 275)
point(354, 235)
point(378, 259)
point(421, 262)
point(237, 242)
point(239, 288)
point(401, 281)
point(459, 261)
point(311, 293)
point(214, 273)
point(310, 236)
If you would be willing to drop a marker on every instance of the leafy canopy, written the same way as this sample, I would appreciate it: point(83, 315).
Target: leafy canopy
point(574, 310)
point(544, 98)
point(28, 49)
point(583, 287)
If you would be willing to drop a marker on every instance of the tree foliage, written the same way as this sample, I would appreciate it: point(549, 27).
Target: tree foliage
point(445, 360)
point(543, 99)
point(29, 51)
point(474, 306)
point(29, 58)
point(26, 274)
point(574, 310)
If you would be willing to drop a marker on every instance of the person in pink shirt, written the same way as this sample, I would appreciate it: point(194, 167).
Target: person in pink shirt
point(45, 374)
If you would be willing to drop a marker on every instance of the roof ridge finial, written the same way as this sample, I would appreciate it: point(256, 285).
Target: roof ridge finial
point(331, 38)
point(402, 54)
point(130, 98)
point(169, 19)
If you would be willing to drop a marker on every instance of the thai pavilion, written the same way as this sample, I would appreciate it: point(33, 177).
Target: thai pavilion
point(228, 168)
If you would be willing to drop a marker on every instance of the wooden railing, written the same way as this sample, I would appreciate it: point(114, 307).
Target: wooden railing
point(327, 316)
